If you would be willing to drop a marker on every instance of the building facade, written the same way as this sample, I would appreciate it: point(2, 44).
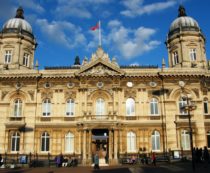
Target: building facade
point(99, 106)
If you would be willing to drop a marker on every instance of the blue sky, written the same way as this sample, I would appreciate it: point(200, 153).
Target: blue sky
point(133, 31)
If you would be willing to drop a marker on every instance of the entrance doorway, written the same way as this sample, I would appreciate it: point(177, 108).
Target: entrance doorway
point(100, 145)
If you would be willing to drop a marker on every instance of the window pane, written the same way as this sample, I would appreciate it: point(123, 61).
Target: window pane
point(185, 140)
point(46, 106)
point(130, 106)
point(69, 144)
point(206, 107)
point(47, 144)
point(70, 107)
point(131, 142)
point(100, 107)
point(155, 140)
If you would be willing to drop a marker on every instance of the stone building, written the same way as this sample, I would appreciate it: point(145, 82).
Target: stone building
point(99, 106)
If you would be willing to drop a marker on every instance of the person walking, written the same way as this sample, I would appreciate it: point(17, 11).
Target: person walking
point(154, 159)
point(206, 156)
point(96, 161)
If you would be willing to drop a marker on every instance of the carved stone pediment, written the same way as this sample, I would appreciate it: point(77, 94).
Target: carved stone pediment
point(100, 64)
point(99, 70)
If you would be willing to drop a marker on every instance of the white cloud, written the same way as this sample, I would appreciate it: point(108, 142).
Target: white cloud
point(80, 9)
point(131, 42)
point(136, 8)
point(62, 32)
point(114, 23)
point(31, 4)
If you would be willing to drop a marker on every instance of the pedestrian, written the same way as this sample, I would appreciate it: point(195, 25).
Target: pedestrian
point(206, 156)
point(58, 161)
point(153, 159)
point(1, 160)
point(96, 161)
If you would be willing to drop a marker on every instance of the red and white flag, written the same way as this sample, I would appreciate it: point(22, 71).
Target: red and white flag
point(93, 28)
point(97, 27)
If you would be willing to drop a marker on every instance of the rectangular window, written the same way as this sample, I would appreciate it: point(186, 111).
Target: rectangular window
point(8, 57)
point(205, 105)
point(182, 111)
point(175, 58)
point(192, 54)
point(26, 59)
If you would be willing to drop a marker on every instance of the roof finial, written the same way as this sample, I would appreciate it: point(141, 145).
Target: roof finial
point(182, 11)
point(77, 60)
point(19, 13)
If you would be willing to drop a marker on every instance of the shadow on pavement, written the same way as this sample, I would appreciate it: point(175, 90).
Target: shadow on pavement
point(113, 170)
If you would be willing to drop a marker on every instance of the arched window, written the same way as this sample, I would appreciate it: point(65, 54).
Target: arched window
point(175, 58)
point(69, 142)
point(45, 142)
point(208, 139)
point(182, 103)
point(154, 107)
point(26, 59)
point(15, 142)
point(70, 107)
point(17, 108)
point(100, 107)
point(192, 54)
point(185, 140)
point(131, 142)
point(46, 107)
point(205, 106)
point(130, 107)
point(155, 140)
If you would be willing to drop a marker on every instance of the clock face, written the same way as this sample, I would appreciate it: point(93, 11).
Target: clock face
point(181, 83)
point(100, 84)
point(153, 84)
point(70, 85)
point(130, 84)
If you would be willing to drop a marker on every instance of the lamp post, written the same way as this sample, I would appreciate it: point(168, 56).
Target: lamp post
point(190, 106)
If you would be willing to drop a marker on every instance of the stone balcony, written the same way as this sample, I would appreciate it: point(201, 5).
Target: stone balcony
point(15, 122)
point(97, 119)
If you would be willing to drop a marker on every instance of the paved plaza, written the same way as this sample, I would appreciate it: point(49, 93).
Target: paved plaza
point(181, 167)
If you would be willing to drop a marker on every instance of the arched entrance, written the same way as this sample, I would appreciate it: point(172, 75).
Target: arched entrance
point(100, 145)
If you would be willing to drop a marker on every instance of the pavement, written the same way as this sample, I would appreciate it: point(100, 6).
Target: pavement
point(180, 167)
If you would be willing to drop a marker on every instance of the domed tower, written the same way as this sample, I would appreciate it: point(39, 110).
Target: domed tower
point(17, 43)
point(186, 43)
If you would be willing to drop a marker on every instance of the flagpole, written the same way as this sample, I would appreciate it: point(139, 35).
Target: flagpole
point(99, 33)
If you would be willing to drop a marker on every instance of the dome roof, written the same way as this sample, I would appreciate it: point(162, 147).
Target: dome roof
point(183, 22)
point(17, 24)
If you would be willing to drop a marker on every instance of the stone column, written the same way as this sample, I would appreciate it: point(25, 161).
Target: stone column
point(79, 142)
point(89, 141)
point(84, 148)
point(115, 143)
point(120, 132)
point(110, 146)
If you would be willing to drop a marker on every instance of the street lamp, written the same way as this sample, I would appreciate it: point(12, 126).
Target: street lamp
point(189, 106)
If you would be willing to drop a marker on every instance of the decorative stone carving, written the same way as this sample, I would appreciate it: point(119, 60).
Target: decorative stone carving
point(3, 94)
point(130, 93)
point(46, 95)
point(100, 70)
point(31, 93)
point(70, 94)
